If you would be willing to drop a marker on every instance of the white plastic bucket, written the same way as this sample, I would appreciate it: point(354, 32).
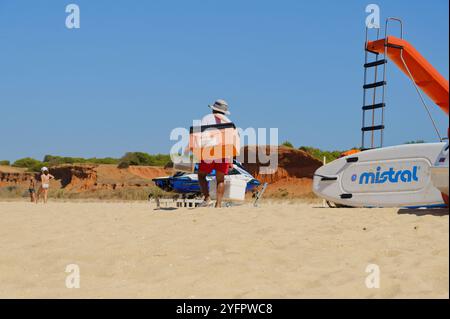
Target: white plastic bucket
point(234, 189)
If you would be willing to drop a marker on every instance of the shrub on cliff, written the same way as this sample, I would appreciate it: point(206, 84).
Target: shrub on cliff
point(144, 159)
point(288, 144)
point(105, 160)
point(130, 158)
point(30, 163)
point(123, 164)
point(320, 154)
point(5, 163)
point(58, 160)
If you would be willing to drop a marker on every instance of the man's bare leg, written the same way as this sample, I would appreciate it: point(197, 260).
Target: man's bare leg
point(220, 179)
point(45, 195)
point(203, 185)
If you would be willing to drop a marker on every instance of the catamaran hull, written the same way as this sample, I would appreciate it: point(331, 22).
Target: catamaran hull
point(439, 173)
point(396, 176)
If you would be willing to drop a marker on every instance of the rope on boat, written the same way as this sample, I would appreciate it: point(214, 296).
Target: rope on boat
point(421, 97)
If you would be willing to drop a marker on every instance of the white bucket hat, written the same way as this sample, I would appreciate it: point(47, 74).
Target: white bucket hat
point(220, 106)
point(43, 169)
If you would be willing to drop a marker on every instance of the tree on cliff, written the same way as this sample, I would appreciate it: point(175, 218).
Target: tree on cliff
point(143, 159)
point(30, 163)
point(288, 144)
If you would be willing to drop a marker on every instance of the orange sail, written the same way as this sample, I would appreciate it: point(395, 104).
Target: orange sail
point(424, 74)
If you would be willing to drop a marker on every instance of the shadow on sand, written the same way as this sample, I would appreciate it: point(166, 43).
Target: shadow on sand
point(166, 208)
point(408, 211)
point(424, 212)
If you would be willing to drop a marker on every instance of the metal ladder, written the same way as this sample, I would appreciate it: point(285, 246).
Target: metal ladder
point(374, 93)
point(372, 103)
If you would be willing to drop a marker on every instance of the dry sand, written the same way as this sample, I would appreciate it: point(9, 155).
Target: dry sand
point(278, 250)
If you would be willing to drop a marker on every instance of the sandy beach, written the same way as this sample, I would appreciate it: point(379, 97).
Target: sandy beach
point(280, 250)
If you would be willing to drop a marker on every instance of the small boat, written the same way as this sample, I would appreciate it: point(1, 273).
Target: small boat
point(187, 183)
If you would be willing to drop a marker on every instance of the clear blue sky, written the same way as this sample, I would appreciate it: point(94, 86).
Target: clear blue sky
point(137, 69)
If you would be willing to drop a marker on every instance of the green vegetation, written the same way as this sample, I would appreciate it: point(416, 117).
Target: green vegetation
point(320, 154)
point(287, 144)
point(32, 164)
point(144, 159)
point(123, 165)
point(12, 192)
point(131, 158)
point(138, 193)
point(58, 160)
point(6, 163)
point(35, 165)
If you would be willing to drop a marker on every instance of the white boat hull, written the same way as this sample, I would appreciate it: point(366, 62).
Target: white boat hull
point(439, 175)
point(439, 172)
point(396, 176)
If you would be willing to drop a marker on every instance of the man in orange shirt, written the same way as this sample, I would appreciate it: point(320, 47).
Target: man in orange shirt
point(218, 116)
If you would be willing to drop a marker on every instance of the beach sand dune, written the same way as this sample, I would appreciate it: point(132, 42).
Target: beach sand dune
point(280, 250)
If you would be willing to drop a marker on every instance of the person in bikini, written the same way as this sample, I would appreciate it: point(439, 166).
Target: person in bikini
point(45, 184)
point(221, 167)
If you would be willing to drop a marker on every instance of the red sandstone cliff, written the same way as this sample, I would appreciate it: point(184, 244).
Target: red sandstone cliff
point(292, 177)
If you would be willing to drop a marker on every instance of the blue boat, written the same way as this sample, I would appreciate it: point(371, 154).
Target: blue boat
point(187, 183)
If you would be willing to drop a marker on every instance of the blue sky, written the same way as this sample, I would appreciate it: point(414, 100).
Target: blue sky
point(137, 69)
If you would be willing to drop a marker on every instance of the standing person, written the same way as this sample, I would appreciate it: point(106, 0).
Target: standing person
point(32, 189)
point(45, 184)
point(221, 166)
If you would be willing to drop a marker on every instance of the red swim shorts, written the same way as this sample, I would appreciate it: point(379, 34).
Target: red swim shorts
point(210, 166)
